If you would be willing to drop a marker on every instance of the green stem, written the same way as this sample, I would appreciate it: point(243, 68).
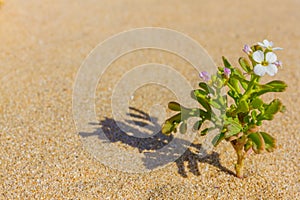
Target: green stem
point(249, 90)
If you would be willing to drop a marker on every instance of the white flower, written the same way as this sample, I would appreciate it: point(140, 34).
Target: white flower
point(269, 45)
point(265, 64)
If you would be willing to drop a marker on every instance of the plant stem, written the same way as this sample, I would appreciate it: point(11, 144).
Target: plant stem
point(238, 145)
point(239, 166)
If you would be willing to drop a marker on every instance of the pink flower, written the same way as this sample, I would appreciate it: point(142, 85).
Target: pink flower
point(205, 76)
point(227, 72)
point(247, 49)
point(278, 63)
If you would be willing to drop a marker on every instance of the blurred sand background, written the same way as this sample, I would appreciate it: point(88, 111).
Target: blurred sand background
point(42, 45)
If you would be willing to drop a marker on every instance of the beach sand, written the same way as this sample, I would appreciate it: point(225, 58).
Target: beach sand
point(43, 44)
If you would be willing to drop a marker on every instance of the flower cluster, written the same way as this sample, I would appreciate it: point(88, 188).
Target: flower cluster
point(236, 123)
point(264, 57)
point(261, 55)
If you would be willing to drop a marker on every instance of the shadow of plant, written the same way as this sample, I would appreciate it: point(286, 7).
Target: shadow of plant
point(193, 159)
point(151, 146)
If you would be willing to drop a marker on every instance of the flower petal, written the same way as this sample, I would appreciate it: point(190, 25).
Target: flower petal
point(277, 48)
point(278, 63)
point(271, 69)
point(247, 49)
point(227, 72)
point(269, 44)
point(205, 76)
point(258, 56)
point(266, 43)
point(271, 57)
point(261, 44)
point(260, 70)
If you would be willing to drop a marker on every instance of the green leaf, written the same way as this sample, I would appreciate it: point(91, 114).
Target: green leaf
point(270, 142)
point(242, 107)
point(270, 110)
point(238, 72)
point(235, 84)
point(183, 127)
point(199, 93)
point(273, 86)
point(248, 145)
point(205, 87)
point(200, 96)
point(283, 109)
point(218, 138)
point(256, 103)
point(204, 132)
point(280, 85)
point(175, 119)
point(273, 107)
point(245, 64)
point(233, 94)
point(253, 115)
point(197, 125)
point(226, 63)
point(174, 106)
point(233, 127)
point(258, 142)
point(167, 128)
point(244, 83)
point(205, 104)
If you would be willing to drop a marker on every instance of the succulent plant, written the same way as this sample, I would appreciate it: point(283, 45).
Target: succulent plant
point(239, 122)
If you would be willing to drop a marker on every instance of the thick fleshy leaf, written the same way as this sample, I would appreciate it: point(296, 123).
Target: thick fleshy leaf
point(226, 63)
point(233, 94)
point(218, 138)
point(197, 125)
point(244, 83)
point(256, 103)
point(199, 93)
point(167, 128)
point(248, 145)
point(280, 85)
point(183, 127)
point(205, 87)
point(175, 119)
point(243, 106)
point(254, 115)
point(273, 107)
point(273, 86)
point(235, 84)
point(233, 127)
point(245, 64)
point(258, 142)
point(270, 142)
point(204, 132)
point(174, 106)
point(205, 104)
point(200, 96)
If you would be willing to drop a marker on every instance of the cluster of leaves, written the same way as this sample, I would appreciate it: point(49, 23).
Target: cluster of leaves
point(237, 122)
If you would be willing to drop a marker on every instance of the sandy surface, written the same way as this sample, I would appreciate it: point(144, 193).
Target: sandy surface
point(43, 44)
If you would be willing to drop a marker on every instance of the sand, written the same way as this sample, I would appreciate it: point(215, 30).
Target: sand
point(43, 44)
